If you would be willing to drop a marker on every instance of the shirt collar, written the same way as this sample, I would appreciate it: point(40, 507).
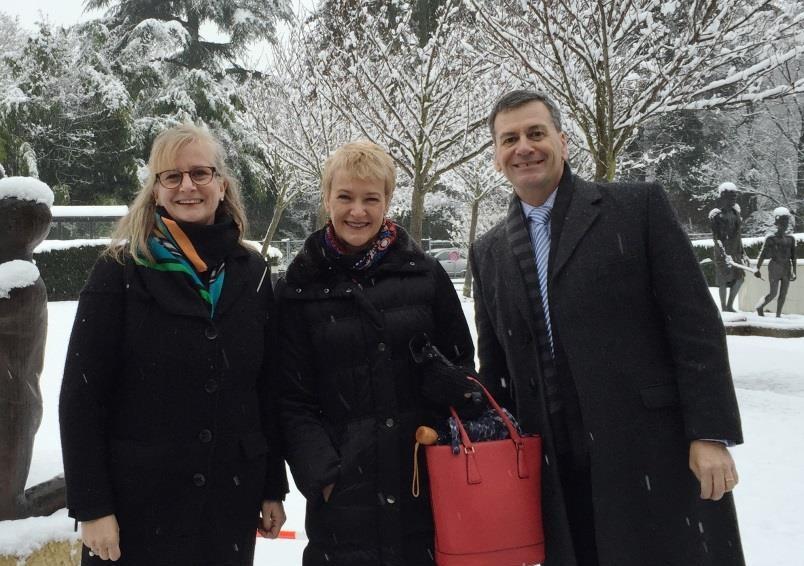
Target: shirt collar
point(548, 204)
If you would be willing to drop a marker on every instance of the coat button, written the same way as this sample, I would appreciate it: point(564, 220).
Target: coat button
point(349, 290)
point(298, 290)
point(412, 263)
point(389, 422)
point(211, 386)
point(199, 480)
point(205, 435)
point(211, 332)
point(381, 346)
point(326, 291)
point(391, 499)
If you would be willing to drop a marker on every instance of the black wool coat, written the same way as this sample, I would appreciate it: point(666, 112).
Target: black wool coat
point(167, 415)
point(351, 401)
point(647, 354)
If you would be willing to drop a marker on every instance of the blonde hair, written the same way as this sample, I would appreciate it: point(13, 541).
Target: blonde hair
point(362, 160)
point(132, 232)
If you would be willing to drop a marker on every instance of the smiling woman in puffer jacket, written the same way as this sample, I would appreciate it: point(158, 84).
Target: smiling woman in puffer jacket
point(353, 300)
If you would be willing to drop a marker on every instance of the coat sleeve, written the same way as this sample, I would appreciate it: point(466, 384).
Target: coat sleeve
point(276, 480)
point(93, 362)
point(493, 369)
point(693, 327)
point(452, 336)
point(314, 461)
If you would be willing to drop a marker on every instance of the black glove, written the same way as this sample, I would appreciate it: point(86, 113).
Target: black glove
point(444, 383)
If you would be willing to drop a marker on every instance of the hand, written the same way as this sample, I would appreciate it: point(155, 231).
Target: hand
point(729, 260)
point(273, 517)
point(102, 537)
point(327, 492)
point(793, 277)
point(757, 274)
point(714, 467)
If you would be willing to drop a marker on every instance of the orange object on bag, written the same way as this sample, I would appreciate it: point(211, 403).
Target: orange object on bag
point(486, 499)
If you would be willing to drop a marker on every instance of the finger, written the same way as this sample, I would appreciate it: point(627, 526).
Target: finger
point(275, 527)
point(114, 553)
point(104, 553)
point(718, 487)
point(732, 480)
point(706, 486)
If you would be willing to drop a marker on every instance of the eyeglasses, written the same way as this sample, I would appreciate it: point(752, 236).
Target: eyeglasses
point(200, 176)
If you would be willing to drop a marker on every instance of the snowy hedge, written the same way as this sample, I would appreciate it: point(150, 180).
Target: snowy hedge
point(65, 264)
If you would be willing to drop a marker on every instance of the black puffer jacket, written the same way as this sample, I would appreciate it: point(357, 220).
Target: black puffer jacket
point(351, 398)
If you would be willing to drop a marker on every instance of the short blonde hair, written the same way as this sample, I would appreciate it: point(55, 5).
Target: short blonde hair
point(133, 230)
point(362, 160)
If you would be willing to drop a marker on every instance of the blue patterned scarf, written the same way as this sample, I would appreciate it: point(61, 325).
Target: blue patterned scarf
point(174, 252)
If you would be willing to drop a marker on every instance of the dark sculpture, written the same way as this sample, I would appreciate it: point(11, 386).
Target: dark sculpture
point(24, 223)
point(780, 248)
point(729, 256)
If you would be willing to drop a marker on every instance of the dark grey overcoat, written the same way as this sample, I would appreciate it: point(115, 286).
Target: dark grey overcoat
point(647, 352)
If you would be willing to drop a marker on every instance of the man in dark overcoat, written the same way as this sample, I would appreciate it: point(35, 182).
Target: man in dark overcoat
point(595, 324)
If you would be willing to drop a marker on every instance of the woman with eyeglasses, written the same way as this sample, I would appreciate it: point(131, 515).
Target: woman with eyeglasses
point(171, 454)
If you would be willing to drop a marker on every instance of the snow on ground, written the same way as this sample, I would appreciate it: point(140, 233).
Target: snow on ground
point(768, 373)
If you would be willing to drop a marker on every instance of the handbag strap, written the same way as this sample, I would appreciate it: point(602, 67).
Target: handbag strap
point(512, 432)
point(472, 471)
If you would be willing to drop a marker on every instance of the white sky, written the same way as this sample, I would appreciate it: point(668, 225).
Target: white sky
point(69, 12)
point(61, 12)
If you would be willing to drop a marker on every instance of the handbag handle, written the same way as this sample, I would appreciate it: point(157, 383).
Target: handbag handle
point(472, 471)
point(512, 432)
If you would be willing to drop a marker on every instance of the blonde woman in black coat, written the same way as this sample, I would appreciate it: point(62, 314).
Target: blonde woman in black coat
point(353, 300)
point(171, 454)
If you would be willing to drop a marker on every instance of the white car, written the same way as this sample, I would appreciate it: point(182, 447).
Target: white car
point(452, 260)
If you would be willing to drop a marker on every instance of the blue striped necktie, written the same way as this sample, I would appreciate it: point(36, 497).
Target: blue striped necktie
point(539, 218)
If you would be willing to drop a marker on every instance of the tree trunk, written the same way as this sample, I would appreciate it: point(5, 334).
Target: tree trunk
point(195, 57)
point(800, 155)
point(269, 235)
point(417, 209)
point(322, 217)
point(605, 160)
point(467, 280)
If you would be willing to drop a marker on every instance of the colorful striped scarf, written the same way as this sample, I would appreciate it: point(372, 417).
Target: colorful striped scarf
point(365, 258)
point(173, 251)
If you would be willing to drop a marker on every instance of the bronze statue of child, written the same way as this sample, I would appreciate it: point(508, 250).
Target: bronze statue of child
point(780, 249)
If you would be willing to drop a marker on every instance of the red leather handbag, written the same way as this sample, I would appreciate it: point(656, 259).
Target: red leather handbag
point(486, 499)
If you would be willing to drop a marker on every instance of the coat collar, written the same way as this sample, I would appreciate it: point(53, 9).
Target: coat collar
point(584, 198)
point(311, 265)
point(174, 295)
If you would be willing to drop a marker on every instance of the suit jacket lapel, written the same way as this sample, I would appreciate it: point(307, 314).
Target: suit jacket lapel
point(582, 213)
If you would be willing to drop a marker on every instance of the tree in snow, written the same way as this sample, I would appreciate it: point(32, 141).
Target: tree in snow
point(612, 66)
point(65, 116)
point(174, 74)
point(294, 129)
point(426, 103)
point(243, 20)
point(480, 185)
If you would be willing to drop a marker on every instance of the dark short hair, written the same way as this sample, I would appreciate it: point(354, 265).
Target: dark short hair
point(517, 98)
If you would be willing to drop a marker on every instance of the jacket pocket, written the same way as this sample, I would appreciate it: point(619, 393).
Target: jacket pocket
point(253, 445)
point(660, 395)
